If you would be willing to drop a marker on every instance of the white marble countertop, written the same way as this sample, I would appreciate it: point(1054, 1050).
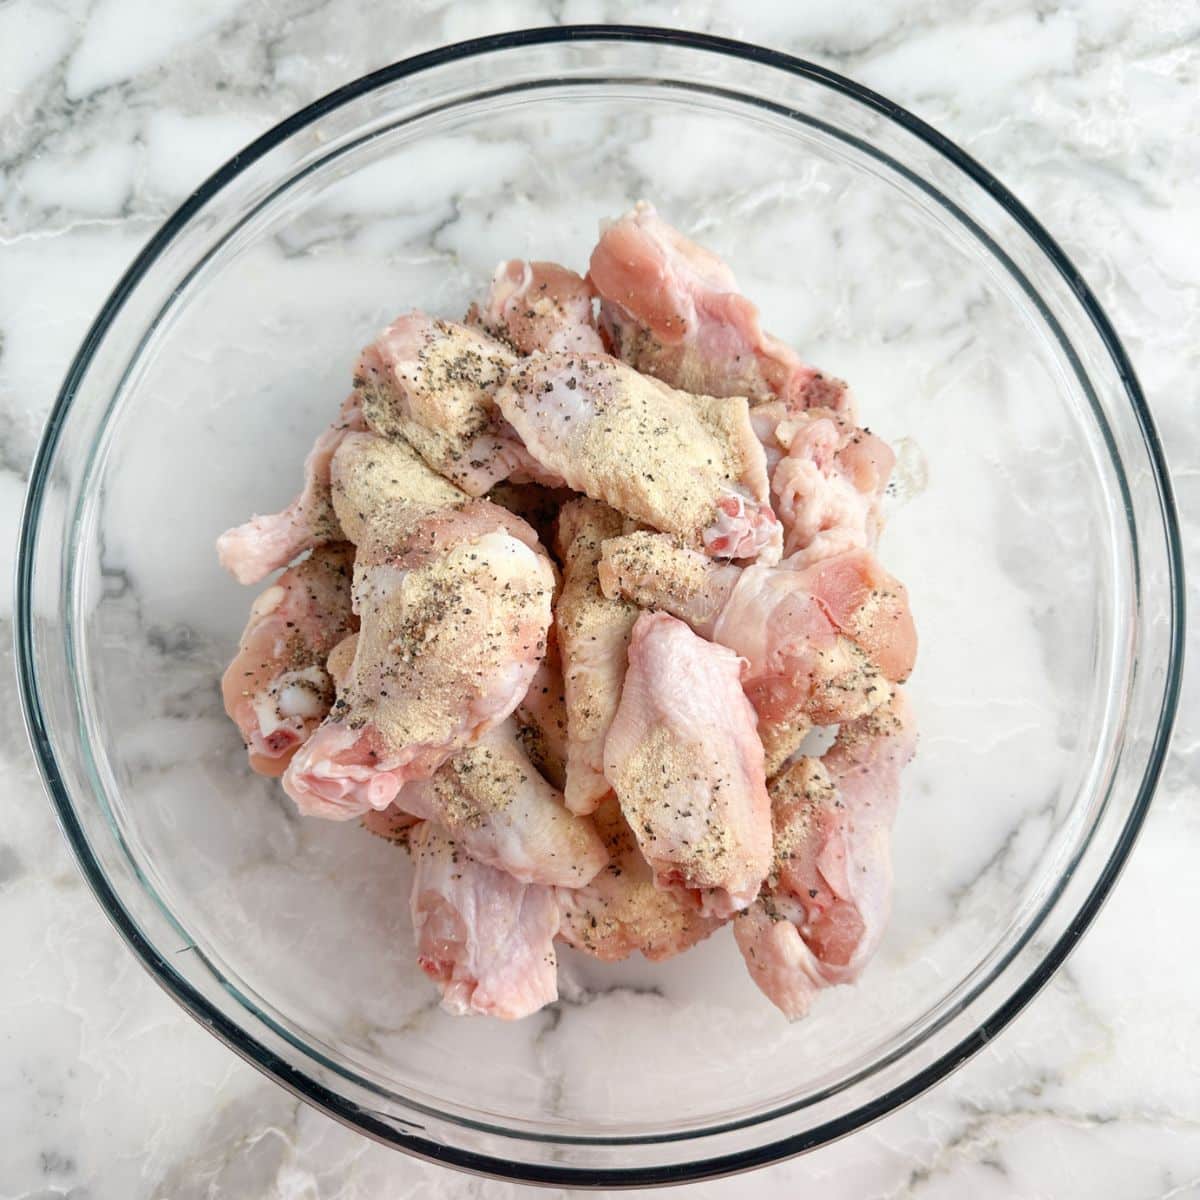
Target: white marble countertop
point(112, 110)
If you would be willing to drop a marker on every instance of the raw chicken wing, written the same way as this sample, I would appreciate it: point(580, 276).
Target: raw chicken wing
point(820, 644)
point(250, 552)
point(593, 634)
point(453, 626)
point(277, 690)
point(688, 465)
point(687, 766)
point(433, 383)
point(827, 479)
point(672, 309)
point(491, 799)
point(621, 910)
point(382, 490)
point(486, 940)
point(539, 306)
point(823, 908)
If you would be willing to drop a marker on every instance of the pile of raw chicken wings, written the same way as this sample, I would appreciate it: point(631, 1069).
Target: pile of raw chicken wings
point(573, 585)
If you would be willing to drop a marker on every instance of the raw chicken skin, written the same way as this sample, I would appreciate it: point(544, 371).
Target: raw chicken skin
point(654, 572)
point(687, 465)
point(539, 306)
point(820, 644)
point(382, 490)
point(453, 626)
point(498, 808)
point(621, 910)
point(491, 798)
point(250, 552)
point(687, 766)
point(277, 690)
point(827, 479)
point(866, 604)
point(486, 940)
point(672, 309)
point(593, 634)
point(824, 907)
point(433, 383)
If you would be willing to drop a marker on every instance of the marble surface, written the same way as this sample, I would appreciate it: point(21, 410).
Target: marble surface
point(111, 112)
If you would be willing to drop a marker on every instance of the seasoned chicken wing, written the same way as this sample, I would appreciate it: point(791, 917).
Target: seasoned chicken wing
point(621, 910)
point(823, 908)
point(593, 635)
point(491, 799)
point(453, 625)
point(485, 939)
point(687, 766)
point(433, 383)
point(539, 306)
point(688, 465)
point(673, 309)
point(277, 690)
point(827, 479)
point(382, 490)
point(250, 552)
point(820, 644)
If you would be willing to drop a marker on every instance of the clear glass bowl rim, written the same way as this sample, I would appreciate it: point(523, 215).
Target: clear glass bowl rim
point(263, 1058)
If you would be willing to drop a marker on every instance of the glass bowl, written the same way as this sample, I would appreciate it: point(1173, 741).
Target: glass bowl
point(1034, 529)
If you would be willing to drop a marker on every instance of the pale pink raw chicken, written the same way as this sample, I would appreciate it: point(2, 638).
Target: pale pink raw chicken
point(593, 633)
point(539, 306)
point(491, 799)
point(485, 939)
point(250, 552)
point(825, 905)
point(621, 910)
point(672, 309)
point(687, 766)
point(820, 644)
point(687, 465)
point(277, 689)
point(827, 479)
point(433, 383)
point(382, 491)
point(453, 626)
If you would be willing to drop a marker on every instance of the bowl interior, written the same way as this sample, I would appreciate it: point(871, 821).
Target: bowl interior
point(1008, 527)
